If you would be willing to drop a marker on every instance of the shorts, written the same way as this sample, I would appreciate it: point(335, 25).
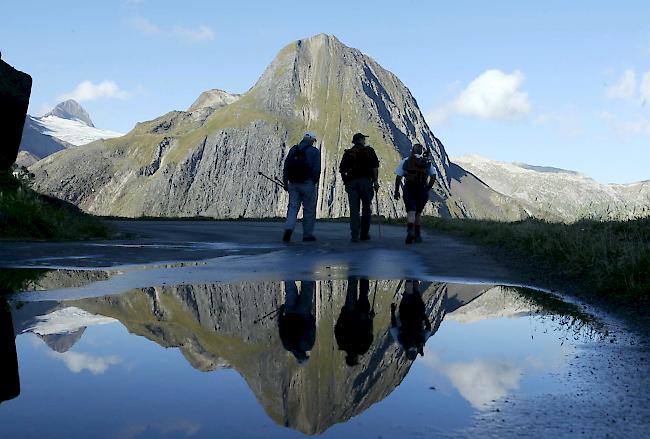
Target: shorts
point(415, 197)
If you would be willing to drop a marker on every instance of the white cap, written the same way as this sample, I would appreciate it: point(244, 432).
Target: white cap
point(310, 135)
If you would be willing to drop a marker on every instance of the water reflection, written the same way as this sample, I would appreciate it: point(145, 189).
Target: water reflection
point(9, 379)
point(353, 328)
point(313, 353)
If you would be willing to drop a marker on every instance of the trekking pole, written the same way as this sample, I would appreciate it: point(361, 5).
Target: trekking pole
point(378, 214)
point(398, 287)
point(374, 296)
point(266, 316)
point(277, 182)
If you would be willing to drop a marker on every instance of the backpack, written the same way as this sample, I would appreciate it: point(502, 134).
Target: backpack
point(357, 160)
point(298, 169)
point(417, 171)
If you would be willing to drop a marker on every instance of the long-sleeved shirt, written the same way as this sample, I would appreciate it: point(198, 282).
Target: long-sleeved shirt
point(313, 159)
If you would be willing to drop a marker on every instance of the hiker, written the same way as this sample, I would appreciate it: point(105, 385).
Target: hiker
point(359, 170)
point(353, 328)
point(300, 177)
point(411, 328)
point(296, 319)
point(420, 175)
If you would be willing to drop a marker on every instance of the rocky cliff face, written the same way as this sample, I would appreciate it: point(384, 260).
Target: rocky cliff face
point(561, 195)
point(206, 161)
point(15, 89)
point(213, 327)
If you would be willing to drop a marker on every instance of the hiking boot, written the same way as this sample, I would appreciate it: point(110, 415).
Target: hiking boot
point(354, 239)
point(365, 238)
point(287, 235)
point(410, 239)
point(308, 238)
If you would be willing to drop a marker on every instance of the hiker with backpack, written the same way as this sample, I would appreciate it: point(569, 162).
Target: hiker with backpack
point(296, 319)
point(353, 329)
point(300, 177)
point(359, 170)
point(410, 326)
point(420, 175)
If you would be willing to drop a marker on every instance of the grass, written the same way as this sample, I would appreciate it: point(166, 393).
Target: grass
point(609, 261)
point(25, 214)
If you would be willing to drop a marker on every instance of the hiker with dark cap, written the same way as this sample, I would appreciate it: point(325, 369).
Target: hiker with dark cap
point(360, 173)
point(296, 319)
point(410, 327)
point(420, 175)
point(300, 177)
point(353, 330)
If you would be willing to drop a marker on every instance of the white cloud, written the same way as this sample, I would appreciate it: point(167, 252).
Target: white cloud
point(78, 362)
point(625, 88)
point(88, 91)
point(480, 381)
point(491, 95)
point(194, 35)
point(202, 33)
point(145, 26)
point(637, 126)
point(644, 88)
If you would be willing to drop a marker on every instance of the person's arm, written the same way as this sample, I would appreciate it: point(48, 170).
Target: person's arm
point(393, 319)
point(285, 171)
point(398, 185)
point(317, 167)
point(432, 177)
point(375, 179)
point(343, 167)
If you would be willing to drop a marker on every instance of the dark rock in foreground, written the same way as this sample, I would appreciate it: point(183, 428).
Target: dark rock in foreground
point(15, 89)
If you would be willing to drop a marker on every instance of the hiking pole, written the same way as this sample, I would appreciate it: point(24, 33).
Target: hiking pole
point(374, 296)
point(266, 315)
point(277, 182)
point(398, 287)
point(378, 214)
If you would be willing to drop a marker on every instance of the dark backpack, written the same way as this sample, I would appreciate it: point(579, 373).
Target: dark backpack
point(356, 164)
point(298, 169)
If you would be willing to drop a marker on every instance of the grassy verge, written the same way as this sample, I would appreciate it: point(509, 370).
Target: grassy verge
point(25, 214)
point(610, 261)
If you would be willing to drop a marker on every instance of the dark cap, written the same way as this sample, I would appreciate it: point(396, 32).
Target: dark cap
point(358, 136)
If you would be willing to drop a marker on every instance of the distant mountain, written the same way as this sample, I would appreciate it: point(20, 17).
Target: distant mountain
point(559, 194)
point(65, 126)
point(213, 99)
point(205, 161)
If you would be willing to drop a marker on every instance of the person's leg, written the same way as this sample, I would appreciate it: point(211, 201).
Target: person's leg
point(410, 226)
point(411, 209)
point(366, 200)
point(309, 209)
point(424, 197)
point(291, 296)
point(354, 198)
point(292, 211)
point(351, 296)
point(307, 292)
point(364, 302)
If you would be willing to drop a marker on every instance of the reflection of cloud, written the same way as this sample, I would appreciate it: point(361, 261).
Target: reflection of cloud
point(78, 362)
point(182, 427)
point(479, 381)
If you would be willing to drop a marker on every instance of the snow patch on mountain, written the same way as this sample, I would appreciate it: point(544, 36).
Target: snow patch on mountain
point(67, 320)
point(74, 132)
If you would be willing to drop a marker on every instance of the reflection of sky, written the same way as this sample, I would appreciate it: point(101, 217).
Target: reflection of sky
point(135, 388)
point(501, 357)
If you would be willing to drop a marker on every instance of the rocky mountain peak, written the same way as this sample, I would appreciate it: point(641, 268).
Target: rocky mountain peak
point(213, 99)
point(71, 110)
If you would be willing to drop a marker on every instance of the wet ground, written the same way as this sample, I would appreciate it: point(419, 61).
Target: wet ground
point(202, 329)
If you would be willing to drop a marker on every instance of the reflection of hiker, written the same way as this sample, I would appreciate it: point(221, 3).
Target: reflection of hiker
point(420, 175)
point(296, 319)
point(359, 170)
point(353, 328)
point(411, 327)
point(300, 176)
point(9, 379)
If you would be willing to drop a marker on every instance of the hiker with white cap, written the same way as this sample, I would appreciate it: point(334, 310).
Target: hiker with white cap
point(300, 177)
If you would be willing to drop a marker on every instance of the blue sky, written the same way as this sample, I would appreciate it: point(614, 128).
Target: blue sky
point(548, 83)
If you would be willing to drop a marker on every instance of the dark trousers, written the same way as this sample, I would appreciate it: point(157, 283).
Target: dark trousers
point(360, 194)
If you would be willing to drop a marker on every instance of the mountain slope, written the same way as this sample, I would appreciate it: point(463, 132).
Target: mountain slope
point(558, 194)
point(66, 126)
point(206, 162)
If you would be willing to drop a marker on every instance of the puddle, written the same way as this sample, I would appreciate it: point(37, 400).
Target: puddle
point(282, 358)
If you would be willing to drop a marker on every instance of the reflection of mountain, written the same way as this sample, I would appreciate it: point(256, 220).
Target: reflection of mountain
point(213, 327)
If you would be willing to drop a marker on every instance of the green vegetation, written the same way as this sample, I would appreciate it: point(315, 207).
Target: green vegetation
point(610, 261)
point(25, 214)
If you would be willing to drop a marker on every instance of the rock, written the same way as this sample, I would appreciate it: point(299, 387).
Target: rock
point(71, 110)
point(209, 165)
point(15, 89)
